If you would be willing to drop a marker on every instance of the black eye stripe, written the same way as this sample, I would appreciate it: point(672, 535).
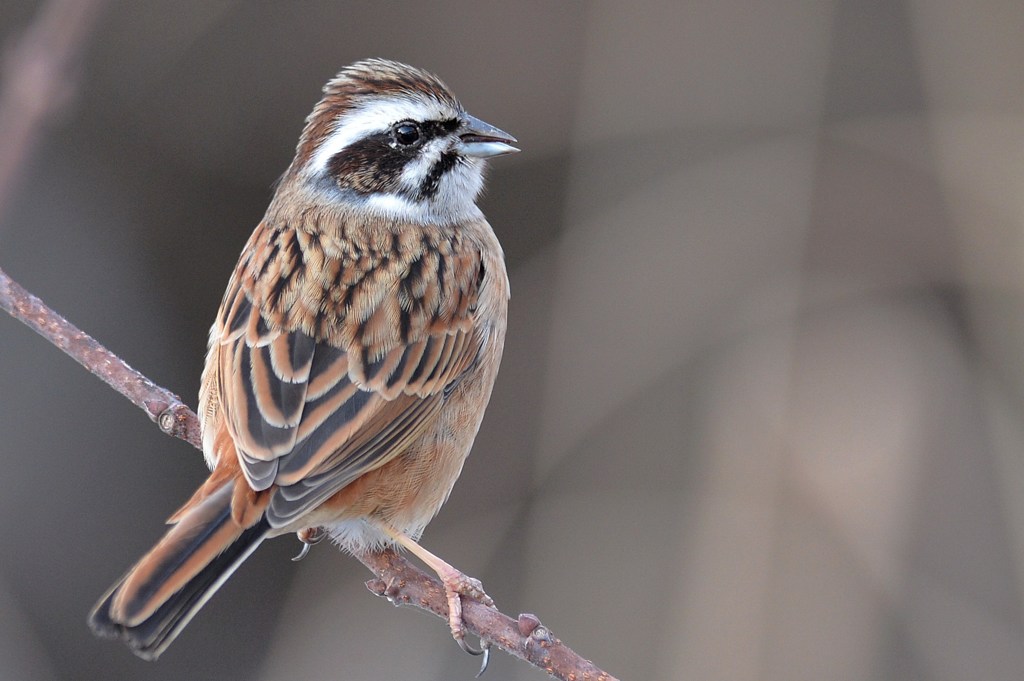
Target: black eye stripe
point(434, 129)
point(369, 165)
point(375, 163)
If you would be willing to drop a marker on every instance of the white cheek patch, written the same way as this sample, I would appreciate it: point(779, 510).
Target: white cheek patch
point(372, 118)
point(462, 185)
point(415, 171)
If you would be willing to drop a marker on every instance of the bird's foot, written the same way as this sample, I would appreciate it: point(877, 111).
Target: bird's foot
point(456, 585)
point(309, 536)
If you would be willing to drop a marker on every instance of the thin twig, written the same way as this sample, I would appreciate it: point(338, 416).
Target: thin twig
point(39, 70)
point(161, 405)
point(403, 583)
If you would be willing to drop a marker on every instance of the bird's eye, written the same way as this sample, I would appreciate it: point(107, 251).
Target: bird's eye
point(407, 133)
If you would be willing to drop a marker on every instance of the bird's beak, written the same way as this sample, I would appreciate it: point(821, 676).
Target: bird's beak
point(483, 140)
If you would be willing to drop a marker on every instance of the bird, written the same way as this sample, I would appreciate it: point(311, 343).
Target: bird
point(352, 357)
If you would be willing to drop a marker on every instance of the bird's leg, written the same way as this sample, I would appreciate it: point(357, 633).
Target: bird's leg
point(456, 584)
point(309, 536)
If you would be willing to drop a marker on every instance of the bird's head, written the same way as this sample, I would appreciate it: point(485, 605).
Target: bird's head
point(393, 140)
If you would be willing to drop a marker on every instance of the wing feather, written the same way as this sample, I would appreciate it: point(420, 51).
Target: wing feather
point(314, 396)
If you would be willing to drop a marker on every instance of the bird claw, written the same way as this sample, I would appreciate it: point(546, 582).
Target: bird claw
point(457, 585)
point(302, 553)
point(308, 537)
point(484, 649)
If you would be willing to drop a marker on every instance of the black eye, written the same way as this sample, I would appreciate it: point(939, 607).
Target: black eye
point(407, 133)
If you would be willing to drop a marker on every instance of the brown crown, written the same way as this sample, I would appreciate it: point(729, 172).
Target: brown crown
point(356, 83)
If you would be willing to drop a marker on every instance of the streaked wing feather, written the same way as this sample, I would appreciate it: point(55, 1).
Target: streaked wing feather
point(347, 409)
point(310, 416)
point(290, 502)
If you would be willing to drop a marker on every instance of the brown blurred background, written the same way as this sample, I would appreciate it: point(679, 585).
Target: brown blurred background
point(762, 409)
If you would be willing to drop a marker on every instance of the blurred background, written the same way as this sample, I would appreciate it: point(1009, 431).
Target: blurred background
point(761, 414)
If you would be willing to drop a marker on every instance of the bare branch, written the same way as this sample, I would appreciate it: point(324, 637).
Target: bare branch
point(161, 405)
point(38, 80)
point(526, 638)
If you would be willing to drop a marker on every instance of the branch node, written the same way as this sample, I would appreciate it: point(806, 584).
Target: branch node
point(166, 420)
point(542, 635)
point(176, 420)
point(527, 623)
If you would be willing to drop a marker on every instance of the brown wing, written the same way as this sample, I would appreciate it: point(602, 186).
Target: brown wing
point(332, 356)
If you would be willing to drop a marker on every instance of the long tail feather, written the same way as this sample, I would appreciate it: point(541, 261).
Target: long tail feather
point(154, 601)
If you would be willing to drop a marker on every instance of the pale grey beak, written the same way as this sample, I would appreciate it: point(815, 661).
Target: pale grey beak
point(483, 140)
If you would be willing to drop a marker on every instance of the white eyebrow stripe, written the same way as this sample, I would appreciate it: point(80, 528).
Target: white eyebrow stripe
point(372, 118)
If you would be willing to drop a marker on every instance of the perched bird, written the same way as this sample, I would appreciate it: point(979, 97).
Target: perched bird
point(352, 356)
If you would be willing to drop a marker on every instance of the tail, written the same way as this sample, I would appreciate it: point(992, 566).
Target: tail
point(151, 604)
